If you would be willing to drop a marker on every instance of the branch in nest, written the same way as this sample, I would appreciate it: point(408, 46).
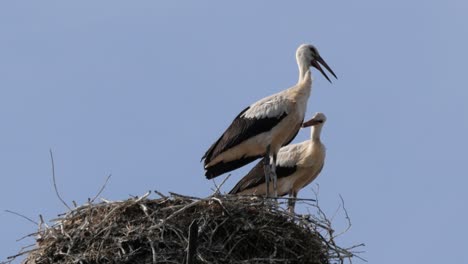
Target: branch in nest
point(230, 229)
point(55, 183)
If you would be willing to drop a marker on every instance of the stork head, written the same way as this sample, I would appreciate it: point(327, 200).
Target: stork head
point(317, 120)
point(308, 55)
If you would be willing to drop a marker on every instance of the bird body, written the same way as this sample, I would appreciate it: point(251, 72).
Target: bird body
point(285, 113)
point(297, 165)
point(266, 125)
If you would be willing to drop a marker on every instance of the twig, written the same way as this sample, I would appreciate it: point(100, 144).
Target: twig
point(216, 186)
point(181, 210)
point(55, 183)
point(217, 192)
point(153, 251)
point(22, 253)
point(347, 218)
point(160, 194)
point(41, 223)
point(102, 188)
point(106, 201)
point(26, 236)
point(23, 216)
point(142, 197)
point(192, 242)
point(184, 196)
point(221, 204)
point(276, 198)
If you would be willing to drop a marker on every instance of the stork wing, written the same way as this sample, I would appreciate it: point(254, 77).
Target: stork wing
point(272, 106)
point(259, 117)
point(256, 177)
point(286, 162)
point(240, 130)
point(290, 155)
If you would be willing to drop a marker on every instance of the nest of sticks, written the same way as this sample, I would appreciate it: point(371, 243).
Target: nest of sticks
point(182, 229)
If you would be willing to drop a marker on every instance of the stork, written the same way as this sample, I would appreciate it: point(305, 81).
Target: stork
point(297, 166)
point(265, 126)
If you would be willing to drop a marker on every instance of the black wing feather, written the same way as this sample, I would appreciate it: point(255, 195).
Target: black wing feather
point(220, 168)
point(240, 130)
point(256, 176)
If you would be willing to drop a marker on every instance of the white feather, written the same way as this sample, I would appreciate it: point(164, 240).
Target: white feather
point(271, 106)
point(289, 156)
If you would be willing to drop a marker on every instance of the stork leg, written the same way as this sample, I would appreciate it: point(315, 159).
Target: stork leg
point(274, 176)
point(292, 202)
point(267, 170)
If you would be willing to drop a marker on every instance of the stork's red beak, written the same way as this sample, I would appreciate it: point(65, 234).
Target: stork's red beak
point(315, 63)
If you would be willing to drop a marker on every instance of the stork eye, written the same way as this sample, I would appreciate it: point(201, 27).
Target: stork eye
point(313, 51)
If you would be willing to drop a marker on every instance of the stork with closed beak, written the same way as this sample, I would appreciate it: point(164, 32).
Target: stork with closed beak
point(297, 166)
point(265, 126)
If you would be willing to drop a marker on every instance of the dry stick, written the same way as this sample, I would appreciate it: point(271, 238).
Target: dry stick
point(25, 217)
point(347, 218)
point(277, 198)
point(102, 188)
point(216, 186)
point(184, 196)
point(192, 242)
point(55, 183)
point(221, 185)
point(221, 204)
point(347, 255)
point(153, 251)
point(142, 197)
point(181, 210)
point(160, 194)
point(354, 254)
point(26, 236)
point(20, 254)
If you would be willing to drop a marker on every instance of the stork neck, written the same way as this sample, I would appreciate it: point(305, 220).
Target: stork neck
point(304, 74)
point(304, 85)
point(315, 133)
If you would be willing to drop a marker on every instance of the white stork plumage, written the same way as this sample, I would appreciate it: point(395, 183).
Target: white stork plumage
point(266, 125)
point(297, 166)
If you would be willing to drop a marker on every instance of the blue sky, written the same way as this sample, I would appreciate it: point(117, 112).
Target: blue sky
point(141, 89)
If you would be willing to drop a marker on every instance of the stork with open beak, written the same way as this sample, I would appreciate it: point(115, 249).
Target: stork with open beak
point(297, 166)
point(262, 128)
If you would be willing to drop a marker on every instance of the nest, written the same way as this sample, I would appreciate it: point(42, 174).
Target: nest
point(181, 229)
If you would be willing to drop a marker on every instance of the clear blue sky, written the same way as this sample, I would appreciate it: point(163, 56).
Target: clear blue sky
point(140, 89)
